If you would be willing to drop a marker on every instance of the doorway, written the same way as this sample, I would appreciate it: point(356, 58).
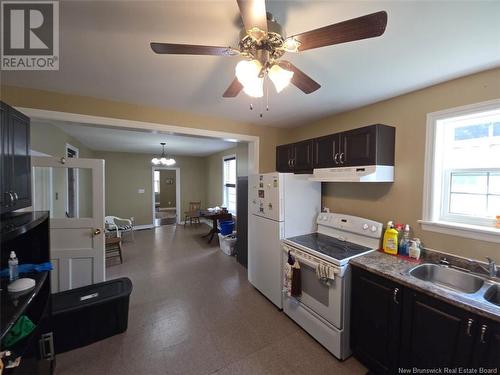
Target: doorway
point(166, 196)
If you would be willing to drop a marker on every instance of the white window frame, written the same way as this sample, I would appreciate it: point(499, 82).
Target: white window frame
point(224, 158)
point(432, 217)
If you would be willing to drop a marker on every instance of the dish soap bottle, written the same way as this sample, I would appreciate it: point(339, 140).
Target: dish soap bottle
point(390, 239)
point(414, 250)
point(404, 244)
point(13, 262)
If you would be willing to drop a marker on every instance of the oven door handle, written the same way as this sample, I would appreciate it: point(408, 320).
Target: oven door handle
point(311, 262)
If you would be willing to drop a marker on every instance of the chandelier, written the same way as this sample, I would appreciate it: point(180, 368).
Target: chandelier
point(163, 160)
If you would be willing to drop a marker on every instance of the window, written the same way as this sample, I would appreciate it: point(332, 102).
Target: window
point(156, 179)
point(462, 182)
point(229, 183)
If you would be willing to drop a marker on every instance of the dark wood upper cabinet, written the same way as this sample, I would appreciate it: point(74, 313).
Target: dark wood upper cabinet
point(284, 157)
point(326, 151)
point(303, 157)
point(375, 321)
point(295, 157)
point(15, 160)
point(369, 145)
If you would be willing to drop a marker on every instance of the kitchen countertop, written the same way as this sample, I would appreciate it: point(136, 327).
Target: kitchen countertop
point(395, 268)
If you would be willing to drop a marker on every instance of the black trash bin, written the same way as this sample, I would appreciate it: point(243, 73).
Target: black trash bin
point(91, 313)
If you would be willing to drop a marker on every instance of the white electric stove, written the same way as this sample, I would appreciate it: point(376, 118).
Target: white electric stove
point(323, 308)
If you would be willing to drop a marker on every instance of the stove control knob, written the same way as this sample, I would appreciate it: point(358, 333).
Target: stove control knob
point(365, 226)
point(373, 228)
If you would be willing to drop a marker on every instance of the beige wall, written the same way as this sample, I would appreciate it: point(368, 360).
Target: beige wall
point(402, 200)
point(52, 141)
point(214, 172)
point(52, 101)
point(167, 191)
point(126, 173)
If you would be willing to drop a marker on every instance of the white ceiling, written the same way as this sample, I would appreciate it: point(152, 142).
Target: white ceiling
point(118, 140)
point(105, 53)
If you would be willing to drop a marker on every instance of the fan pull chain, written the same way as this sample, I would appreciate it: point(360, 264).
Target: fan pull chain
point(267, 98)
point(251, 107)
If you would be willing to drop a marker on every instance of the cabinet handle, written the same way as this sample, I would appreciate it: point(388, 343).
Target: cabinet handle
point(11, 198)
point(16, 197)
point(46, 344)
point(336, 158)
point(395, 296)
point(470, 322)
point(289, 165)
point(484, 328)
point(341, 158)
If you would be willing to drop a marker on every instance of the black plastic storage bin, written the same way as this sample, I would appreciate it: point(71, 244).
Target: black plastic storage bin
point(91, 313)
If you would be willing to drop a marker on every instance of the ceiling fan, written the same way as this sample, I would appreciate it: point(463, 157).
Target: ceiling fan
point(263, 42)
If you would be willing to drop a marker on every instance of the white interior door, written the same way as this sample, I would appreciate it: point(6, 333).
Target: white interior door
point(76, 238)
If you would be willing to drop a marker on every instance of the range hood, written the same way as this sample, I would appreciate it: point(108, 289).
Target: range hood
point(368, 173)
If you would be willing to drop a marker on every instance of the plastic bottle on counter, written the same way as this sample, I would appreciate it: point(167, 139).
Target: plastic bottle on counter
point(404, 243)
point(414, 250)
point(390, 244)
point(13, 263)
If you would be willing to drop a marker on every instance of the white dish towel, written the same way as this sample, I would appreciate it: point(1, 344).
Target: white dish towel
point(325, 272)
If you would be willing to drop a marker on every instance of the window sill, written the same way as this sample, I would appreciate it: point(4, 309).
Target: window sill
point(476, 232)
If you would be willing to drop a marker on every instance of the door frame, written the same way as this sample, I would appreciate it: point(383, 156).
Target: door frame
point(252, 140)
point(62, 280)
point(76, 182)
point(177, 191)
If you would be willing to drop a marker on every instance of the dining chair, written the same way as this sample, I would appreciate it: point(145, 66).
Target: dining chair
point(193, 215)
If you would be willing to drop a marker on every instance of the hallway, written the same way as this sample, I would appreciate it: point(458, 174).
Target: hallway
point(192, 311)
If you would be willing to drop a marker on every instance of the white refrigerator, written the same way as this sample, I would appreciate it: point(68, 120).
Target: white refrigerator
point(281, 205)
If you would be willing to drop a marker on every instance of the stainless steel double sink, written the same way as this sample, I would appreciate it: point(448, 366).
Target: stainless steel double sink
point(470, 285)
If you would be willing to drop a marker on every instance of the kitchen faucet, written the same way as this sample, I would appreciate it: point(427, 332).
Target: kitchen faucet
point(492, 267)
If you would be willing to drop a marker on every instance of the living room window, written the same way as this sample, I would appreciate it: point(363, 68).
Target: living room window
point(462, 179)
point(229, 183)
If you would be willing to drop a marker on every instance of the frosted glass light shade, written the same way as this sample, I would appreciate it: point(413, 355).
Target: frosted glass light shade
point(280, 77)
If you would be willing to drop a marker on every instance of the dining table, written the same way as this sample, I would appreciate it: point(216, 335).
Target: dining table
point(215, 216)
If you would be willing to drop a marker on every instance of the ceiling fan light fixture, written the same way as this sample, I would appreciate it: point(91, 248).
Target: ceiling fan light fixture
point(291, 45)
point(280, 77)
point(254, 88)
point(247, 72)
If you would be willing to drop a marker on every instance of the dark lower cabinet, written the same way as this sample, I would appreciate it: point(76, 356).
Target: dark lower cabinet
point(487, 347)
point(434, 333)
point(395, 327)
point(375, 321)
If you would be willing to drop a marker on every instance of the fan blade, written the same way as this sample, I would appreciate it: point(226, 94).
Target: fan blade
point(369, 26)
point(299, 78)
point(191, 49)
point(253, 13)
point(234, 89)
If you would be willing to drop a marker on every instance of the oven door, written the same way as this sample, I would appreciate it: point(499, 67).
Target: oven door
point(324, 298)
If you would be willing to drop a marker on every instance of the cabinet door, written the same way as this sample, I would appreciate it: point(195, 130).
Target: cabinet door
point(375, 321)
point(303, 157)
point(434, 333)
point(326, 151)
point(487, 347)
point(358, 146)
point(5, 158)
point(21, 160)
point(284, 157)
